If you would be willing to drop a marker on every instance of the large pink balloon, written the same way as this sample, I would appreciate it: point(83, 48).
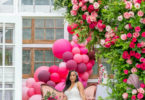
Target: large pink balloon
point(51, 83)
point(67, 56)
point(37, 87)
point(89, 66)
point(63, 72)
point(38, 70)
point(36, 97)
point(60, 46)
point(55, 77)
point(53, 69)
point(81, 68)
point(30, 92)
point(62, 64)
point(85, 58)
point(76, 50)
point(71, 65)
point(84, 76)
point(44, 76)
point(24, 93)
point(78, 58)
point(90, 71)
point(30, 82)
point(60, 86)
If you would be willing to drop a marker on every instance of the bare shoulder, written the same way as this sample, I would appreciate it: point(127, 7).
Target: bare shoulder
point(79, 83)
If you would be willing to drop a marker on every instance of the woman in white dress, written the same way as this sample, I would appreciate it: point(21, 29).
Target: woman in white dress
point(74, 89)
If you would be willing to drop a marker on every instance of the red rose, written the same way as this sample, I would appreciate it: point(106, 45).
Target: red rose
point(139, 1)
point(142, 66)
point(142, 85)
point(143, 34)
point(90, 8)
point(84, 16)
point(143, 50)
point(108, 45)
point(139, 45)
point(104, 26)
point(134, 39)
point(125, 80)
point(130, 27)
point(137, 55)
point(125, 71)
point(129, 35)
point(92, 25)
point(132, 53)
point(138, 66)
point(137, 29)
point(133, 97)
point(132, 45)
point(125, 55)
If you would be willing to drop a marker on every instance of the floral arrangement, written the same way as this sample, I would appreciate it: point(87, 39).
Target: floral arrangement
point(50, 96)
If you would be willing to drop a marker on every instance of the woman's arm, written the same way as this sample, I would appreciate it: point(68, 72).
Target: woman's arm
point(81, 90)
point(64, 97)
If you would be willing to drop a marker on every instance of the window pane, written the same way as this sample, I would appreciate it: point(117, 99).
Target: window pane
point(9, 95)
point(107, 66)
point(39, 34)
point(1, 59)
point(42, 2)
point(9, 85)
point(50, 23)
point(26, 62)
point(9, 75)
point(27, 2)
point(1, 76)
point(26, 34)
point(0, 94)
point(49, 56)
point(52, 2)
point(70, 36)
point(59, 34)
point(9, 35)
point(8, 55)
point(7, 2)
point(49, 64)
point(49, 34)
point(39, 23)
point(1, 33)
point(95, 68)
point(39, 55)
point(37, 65)
point(60, 23)
point(27, 22)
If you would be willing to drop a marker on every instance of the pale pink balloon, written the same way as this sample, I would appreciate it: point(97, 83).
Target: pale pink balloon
point(62, 64)
point(55, 77)
point(30, 82)
point(85, 58)
point(76, 50)
point(84, 50)
point(90, 71)
point(75, 38)
point(53, 69)
point(37, 87)
point(85, 76)
point(60, 86)
point(39, 70)
point(36, 97)
point(60, 46)
point(78, 58)
point(89, 66)
point(30, 92)
point(24, 93)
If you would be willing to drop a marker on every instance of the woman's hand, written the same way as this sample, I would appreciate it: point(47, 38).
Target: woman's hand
point(81, 90)
point(64, 97)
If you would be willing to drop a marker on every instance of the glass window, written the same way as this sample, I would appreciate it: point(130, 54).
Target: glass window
point(26, 62)
point(9, 56)
point(27, 2)
point(6, 2)
point(42, 2)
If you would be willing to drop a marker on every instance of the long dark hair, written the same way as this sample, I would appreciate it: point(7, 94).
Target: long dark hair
point(68, 82)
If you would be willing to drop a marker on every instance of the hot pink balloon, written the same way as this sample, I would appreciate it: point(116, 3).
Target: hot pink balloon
point(90, 71)
point(36, 97)
point(81, 68)
point(24, 93)
point(53, 69)
point(67, 56)
point(62, 64)
point(84, 50)
point(71, 65)
point(93, 62)
point(60, 86)
point(30, 82)
point(44, 76)
point(61, 46)
point(85, 58)
point(30, 92)
point(37, 87)
point(38, 70)
point(78, 58)
point(84, 76)
point(51, 83)
point(76, 45)
point(63, 72)
point(76, 50)
point(89, 66)
point(55, 77)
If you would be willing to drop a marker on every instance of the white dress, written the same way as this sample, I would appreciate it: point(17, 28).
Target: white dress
point(73, 94)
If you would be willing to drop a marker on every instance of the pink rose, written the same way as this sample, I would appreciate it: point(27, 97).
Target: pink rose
point(99, 25)
point(88, 20)
point(96, 5)
point(73, 12)
point(81, 4)
point(93, 18)
point(141, 90)
point(92, 25)
point(142, 59)
point(91, 1)
point(84, 8)
point(94, 14)
point(102, 42)
point(90, 8)
point(140, 13)
point(132, 45)
point(127, 26)
point(123, 36)
point(133, 70)
point(74, 2)
point(143, 34)
point(132, 53)
point(126, 15)
point(128, 5)
point(134, 40)
point(133, 97)
point(130, 27)
point(139, 45)
point(134, 91)
point(120, 18)
point(143, 50)
point(75, 7)
point(125, 55)
point(108, 45)
point(137, 55)
point(142, 20)
point(129, 35)
point(137, 5)
point(131, 14)
point(125, 80)
point(129, 61)
point(125, 95)
point(137, 29)
point(138, 66)
point(125, 71)
point(136, 34)
point(84, 16)
point(108, 28)
point(142, 85)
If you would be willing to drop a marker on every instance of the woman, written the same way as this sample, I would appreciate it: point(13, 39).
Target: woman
point(74, 89)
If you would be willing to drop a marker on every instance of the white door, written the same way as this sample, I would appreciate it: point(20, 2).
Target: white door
point(10, 58)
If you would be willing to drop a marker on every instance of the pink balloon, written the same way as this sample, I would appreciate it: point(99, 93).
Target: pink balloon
point(89, 66)
point(23, 84)
point(72, 43)
point(44, 76)
point(60, 46)
point(51, 83)
point(37, 87)
point(93, 62)
point(38, 70)
point(24, 93)
point(84, 83)
point(62, 64)
point(55, 77)
point(30, 92)
point(84, 50)
point(63, 80)
point(78, 58)
point(85, 76)
point(76, 50)
point(81, 68)
point(85, 58)
point(75, 38)
point(30, 82)
point(76, 45)
point(71, 65)
point(60, 86)
point(67, 56)
point(90, 71)
point(36, 97)
point(53, 69)
point(63, 72)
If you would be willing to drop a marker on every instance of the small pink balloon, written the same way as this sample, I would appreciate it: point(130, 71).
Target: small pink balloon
point(44, 76)
point(36, 97)
point(85, 76)
point(71, 65)
point(90, 71)
point(84, 50)
point(60, 86)
point(62, 64)
point(39, 70)
point(37, 87)
point(78, 58)
point(30, 82)
point(89, 66)
point(30, 92)
point(76, 50)
point(51, 83)
point(81, 68)
point(85, 58)
point(53, 69)
point(55, 77)
point(67, 56)
point(24, 93)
